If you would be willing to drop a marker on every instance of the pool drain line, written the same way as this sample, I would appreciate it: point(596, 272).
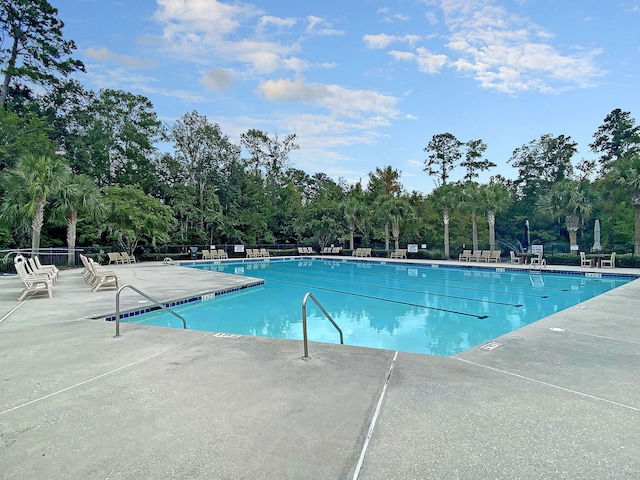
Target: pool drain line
point(374, 420)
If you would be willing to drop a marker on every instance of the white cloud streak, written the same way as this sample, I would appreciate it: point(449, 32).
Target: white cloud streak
point(105, 55)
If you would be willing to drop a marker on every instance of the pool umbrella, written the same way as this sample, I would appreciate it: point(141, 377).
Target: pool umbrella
point(596, 237)
point(526, 239)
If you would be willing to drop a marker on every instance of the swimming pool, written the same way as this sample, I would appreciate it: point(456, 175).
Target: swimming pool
point(398, 306)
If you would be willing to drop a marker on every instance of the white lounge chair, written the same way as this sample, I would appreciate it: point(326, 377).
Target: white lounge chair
point(50, 266)
point(465, 256)
point(475, 256)
point(115, 257)
point(33, 283)
point(126, 258)
point(101, 277)
point(32, 269)
point(494, 256)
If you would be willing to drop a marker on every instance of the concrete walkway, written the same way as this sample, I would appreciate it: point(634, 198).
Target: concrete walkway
point(76, 403)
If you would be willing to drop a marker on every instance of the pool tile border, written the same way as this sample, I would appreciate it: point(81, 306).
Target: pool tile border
point(182, 301)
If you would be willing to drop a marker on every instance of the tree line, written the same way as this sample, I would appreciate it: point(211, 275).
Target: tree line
point(99, 168)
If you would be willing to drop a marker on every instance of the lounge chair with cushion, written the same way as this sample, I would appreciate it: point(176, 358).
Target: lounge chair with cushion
point(609, 262)
point(584, 261)
point(465, 256)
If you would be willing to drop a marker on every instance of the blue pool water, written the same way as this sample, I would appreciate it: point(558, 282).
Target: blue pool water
point(407, 307)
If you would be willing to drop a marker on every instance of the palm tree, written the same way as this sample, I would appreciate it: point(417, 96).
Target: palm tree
point(399, 210)
point(78, 195)
point(495, 198)
point(29, 186)
point(566, 199)
point(353, 212)
point(382, 209)
point(444, 197)
point(385, 182)
point(468, 199)
point(626, 173)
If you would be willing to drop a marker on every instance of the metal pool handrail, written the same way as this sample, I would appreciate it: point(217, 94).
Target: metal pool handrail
point(304, 323)
point(153, 300)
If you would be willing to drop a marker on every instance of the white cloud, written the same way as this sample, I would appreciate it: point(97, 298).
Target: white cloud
point(508, 53)
point(217, 79)
point(213, 32)
point(427, 61)
point(106, 55)
point(319, 26)
point(382, 40)
point(117, 78)
point(268, 20)
point(335, 98)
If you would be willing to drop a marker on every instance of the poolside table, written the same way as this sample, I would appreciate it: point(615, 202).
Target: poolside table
point(526, 257)
point(598, 257)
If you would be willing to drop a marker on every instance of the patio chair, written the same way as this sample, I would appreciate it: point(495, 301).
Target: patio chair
point(537, 261)
point(33, 283)
point(222, 254)
point(514, 259)
point(263, 253)
point(609, 262)
point(126, 258)
point(115, 257)
point(336, 250)
point(584, 261)
point(465, 256)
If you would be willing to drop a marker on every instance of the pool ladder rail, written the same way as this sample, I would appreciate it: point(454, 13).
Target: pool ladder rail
point(304, 323)
point(152, 300)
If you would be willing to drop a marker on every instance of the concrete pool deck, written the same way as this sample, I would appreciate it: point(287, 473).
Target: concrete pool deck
point(77, 403)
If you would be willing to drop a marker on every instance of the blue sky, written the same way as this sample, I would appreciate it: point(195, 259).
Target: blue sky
point(366, 83)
